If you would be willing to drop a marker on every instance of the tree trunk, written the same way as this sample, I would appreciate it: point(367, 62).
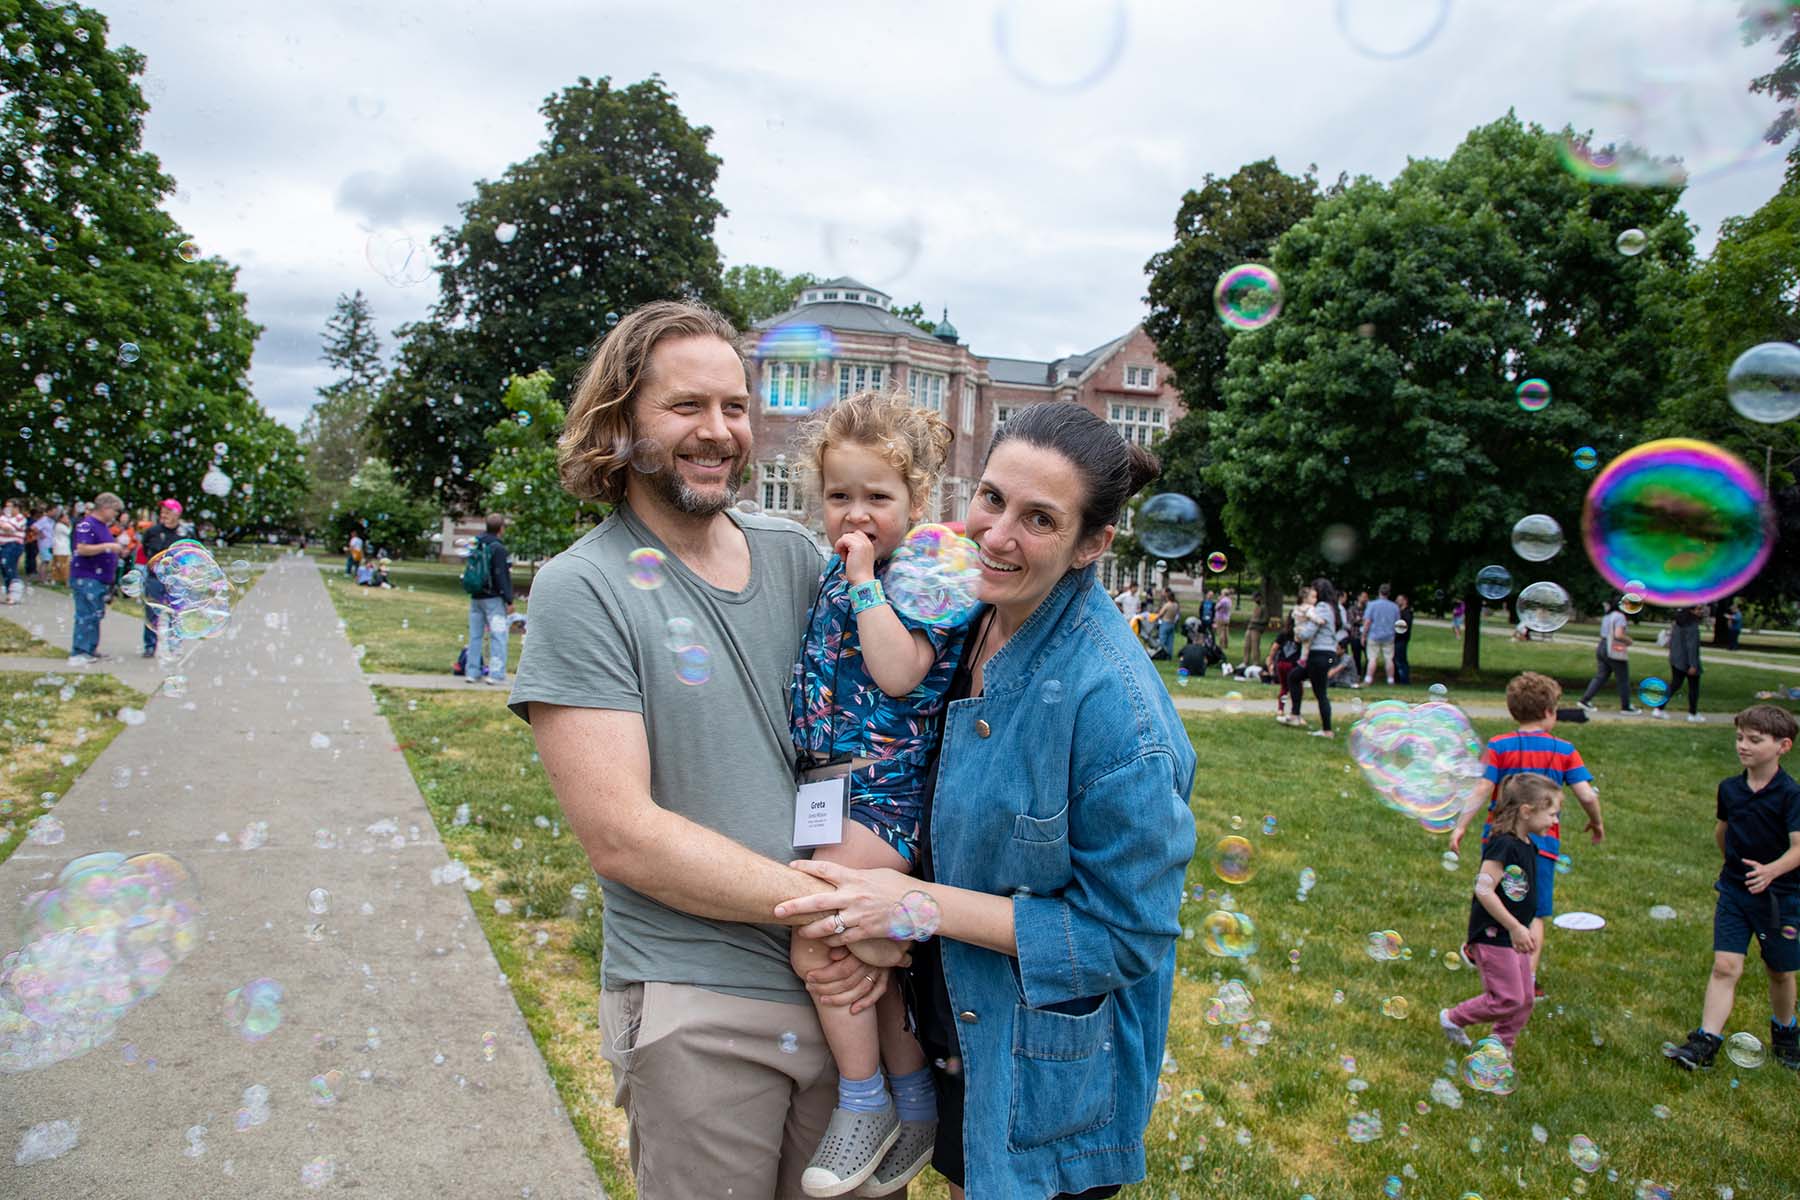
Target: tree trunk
point(1722, 621)
point(1271, 597)
point(1471, 647)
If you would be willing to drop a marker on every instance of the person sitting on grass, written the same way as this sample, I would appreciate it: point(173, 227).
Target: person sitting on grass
point(1503, 932)
point(1758, 833)
point(1531, 699)
point(365, 574)
point(380, 576)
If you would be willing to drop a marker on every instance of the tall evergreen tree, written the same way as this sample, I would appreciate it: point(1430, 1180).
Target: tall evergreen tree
point(130, 350)
point(336, 431)
point(614, 210)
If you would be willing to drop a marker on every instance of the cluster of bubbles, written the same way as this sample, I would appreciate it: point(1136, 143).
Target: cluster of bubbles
point(1423, 760)
point(1229, 934)
point(932, 576)
point(1309, 879)
point(1537, 538)
point(1684, 520)
point(1488, 1067)
point(1170, 525)
point(1247, 296)
point(1231, 1005)
point(104, 936)
point(1386, 945)
point(195, 593)
point(1234, 859)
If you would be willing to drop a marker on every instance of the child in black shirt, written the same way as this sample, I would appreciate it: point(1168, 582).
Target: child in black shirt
point(1500, 937)
point(1758, 833)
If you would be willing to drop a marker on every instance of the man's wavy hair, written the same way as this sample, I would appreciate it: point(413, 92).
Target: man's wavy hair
point(594, 453)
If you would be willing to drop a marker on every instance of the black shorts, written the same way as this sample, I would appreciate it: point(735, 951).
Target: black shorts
point(1772, 919)
point(947, 1155)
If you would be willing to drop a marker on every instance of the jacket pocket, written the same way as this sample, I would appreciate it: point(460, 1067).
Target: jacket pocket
point(1042, 829)
point(1036, 859)
point(1065, 1074)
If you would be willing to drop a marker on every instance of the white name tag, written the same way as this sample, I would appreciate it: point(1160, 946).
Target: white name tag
point(819, 810)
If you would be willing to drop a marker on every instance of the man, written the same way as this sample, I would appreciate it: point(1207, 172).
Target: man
point(489, 608)
point(159, 537)
point(1378, 631)
point(95, 567)
point(28, 565)
point(353, 554)
point(1209, 606)
point(1403, 635)
point(676, 772)
point(1222, 621)
point(1127, 600)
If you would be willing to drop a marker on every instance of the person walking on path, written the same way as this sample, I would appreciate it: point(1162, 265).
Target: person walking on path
point(488, 580)
point(1222, 622)
point(159, 537)
point(1378, 623)
point(1403, 639)
point(91, 574)
point(61, 545)
point(12, 547)
point(1610, 659)
point(681, 785)
point(1684, 663)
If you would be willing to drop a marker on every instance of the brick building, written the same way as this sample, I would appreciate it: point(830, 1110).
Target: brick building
point(842, 337)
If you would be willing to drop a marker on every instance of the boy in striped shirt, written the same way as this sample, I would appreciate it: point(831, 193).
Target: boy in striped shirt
point(1533, 749)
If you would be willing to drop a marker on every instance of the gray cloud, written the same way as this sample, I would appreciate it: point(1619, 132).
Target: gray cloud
point(422, 188)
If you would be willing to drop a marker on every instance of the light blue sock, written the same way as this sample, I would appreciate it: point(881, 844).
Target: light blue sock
point(915, 1095)
point(863, 1095)
point(1790, 1024)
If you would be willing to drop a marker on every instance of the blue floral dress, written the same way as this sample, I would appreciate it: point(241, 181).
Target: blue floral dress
point(837, 709)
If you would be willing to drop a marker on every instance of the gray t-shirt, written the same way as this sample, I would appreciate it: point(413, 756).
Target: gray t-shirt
point(1381, 615)
point(721, 754)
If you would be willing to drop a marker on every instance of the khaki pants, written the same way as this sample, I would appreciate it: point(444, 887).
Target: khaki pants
point(59, 568)
point(723, 1096)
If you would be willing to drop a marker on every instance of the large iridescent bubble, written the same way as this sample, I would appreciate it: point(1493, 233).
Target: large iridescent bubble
point(1423, 760)
point(932, 576)
point(98, 941)
point(193, 599)
point(1687, 518)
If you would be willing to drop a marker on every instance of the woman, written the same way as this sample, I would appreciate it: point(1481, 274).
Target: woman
point(1684, 662)
point(1284, 660)
point(12, 548)
point(1610, 659)
point(1316, 627)
point(61, 547)
point(1167, 618)
point(1055, 837)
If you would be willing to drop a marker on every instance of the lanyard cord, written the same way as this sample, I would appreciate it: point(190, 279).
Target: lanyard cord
point(812, 756)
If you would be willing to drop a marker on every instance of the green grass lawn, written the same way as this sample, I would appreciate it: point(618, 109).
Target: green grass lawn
point(15, 640)
point(416, 626)
point(1271, 1120)
point(51, 728)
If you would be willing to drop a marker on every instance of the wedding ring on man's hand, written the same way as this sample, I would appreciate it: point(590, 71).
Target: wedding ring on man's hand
point(837, 923)
point(868, 978)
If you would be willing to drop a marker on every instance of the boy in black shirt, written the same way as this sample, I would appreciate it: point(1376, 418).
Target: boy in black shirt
point(1758, 833)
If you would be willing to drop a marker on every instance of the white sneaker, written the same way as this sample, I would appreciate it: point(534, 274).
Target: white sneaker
point(81, 660)
point(1696, 719)
point(1586, 707)
point(1657, 714)
point(1451, 1029)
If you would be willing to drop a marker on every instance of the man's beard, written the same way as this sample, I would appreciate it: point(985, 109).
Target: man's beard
point(674, 491)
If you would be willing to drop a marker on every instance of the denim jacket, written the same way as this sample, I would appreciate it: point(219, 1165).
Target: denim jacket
point(1065, 786)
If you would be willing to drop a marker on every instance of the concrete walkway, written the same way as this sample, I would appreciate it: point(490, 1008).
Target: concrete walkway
point(396, 992)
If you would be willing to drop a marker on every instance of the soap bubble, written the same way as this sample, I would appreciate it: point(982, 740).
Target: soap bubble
point(1513, 884)
point(1631, 243)
point(1631, 603)
point(1229, 934)
point(1339, 544)
point(789, 1042)
point(238, 571)
point(1215, 562)
point(1586, 458)
point(189, 251)
point(318, 902)
point(647, 456)
point(1584, 1154)
point(1745, 1049)
point(1051, 692)
point(132, 582)
point(102, 938)
point(1232, 1005)
point(254, 1010)
point(43, 382)
point(1385, 945)
point(1450, 861)
point(1169, 525)
point(1248, 296)
point(400, 258)
point(1533, 395)
point(1438, 691)
point(1396, 1007)
point(317, 1172)
point(128, 352)
point(1385, 30)
point(1653, 692)
point(1489, 1068)
point(1687, 519)
point(195, 593)
point(1763, 384)
point(46, 830)
point(1422, 760)
point(933, 576)
point(1661, 912)
point(505, 232)
point(646, 563)
point(801, 343)
point(1060, 47)
point(1363, 1127)
point(215, 482)
point(1537, 538)
point(1234, 859)
point(1494, 582)
point(693, 665)
point(1545, 607)
point(1401, 626)
point(679, 632)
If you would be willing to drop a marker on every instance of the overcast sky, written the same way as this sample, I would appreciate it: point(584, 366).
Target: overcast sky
point(1015, 160)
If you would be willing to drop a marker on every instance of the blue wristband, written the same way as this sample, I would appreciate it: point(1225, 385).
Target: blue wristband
point(866, 595)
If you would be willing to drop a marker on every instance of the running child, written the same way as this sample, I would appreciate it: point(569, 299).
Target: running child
point(1758, 833)
point(1502, 921)
point(870, 687)
point(1531, 698)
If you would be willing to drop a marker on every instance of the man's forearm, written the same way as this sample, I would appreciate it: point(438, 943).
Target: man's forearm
point(695, 870)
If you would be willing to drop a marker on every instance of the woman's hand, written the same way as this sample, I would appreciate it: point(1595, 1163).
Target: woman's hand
point(863, 900)
point(847, 980)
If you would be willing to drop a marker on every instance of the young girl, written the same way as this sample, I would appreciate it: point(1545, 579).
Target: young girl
point(870, 686)
point(1500, 938)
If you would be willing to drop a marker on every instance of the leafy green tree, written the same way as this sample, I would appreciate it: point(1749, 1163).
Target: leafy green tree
point(130, 350)
point(615, 209)
point(915, 312)
point(378, 506)
point(1383, 396)
point(1780, 20)
point(757, 293)
point(520, 475)
point(336, 431)
point(1221, 224)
